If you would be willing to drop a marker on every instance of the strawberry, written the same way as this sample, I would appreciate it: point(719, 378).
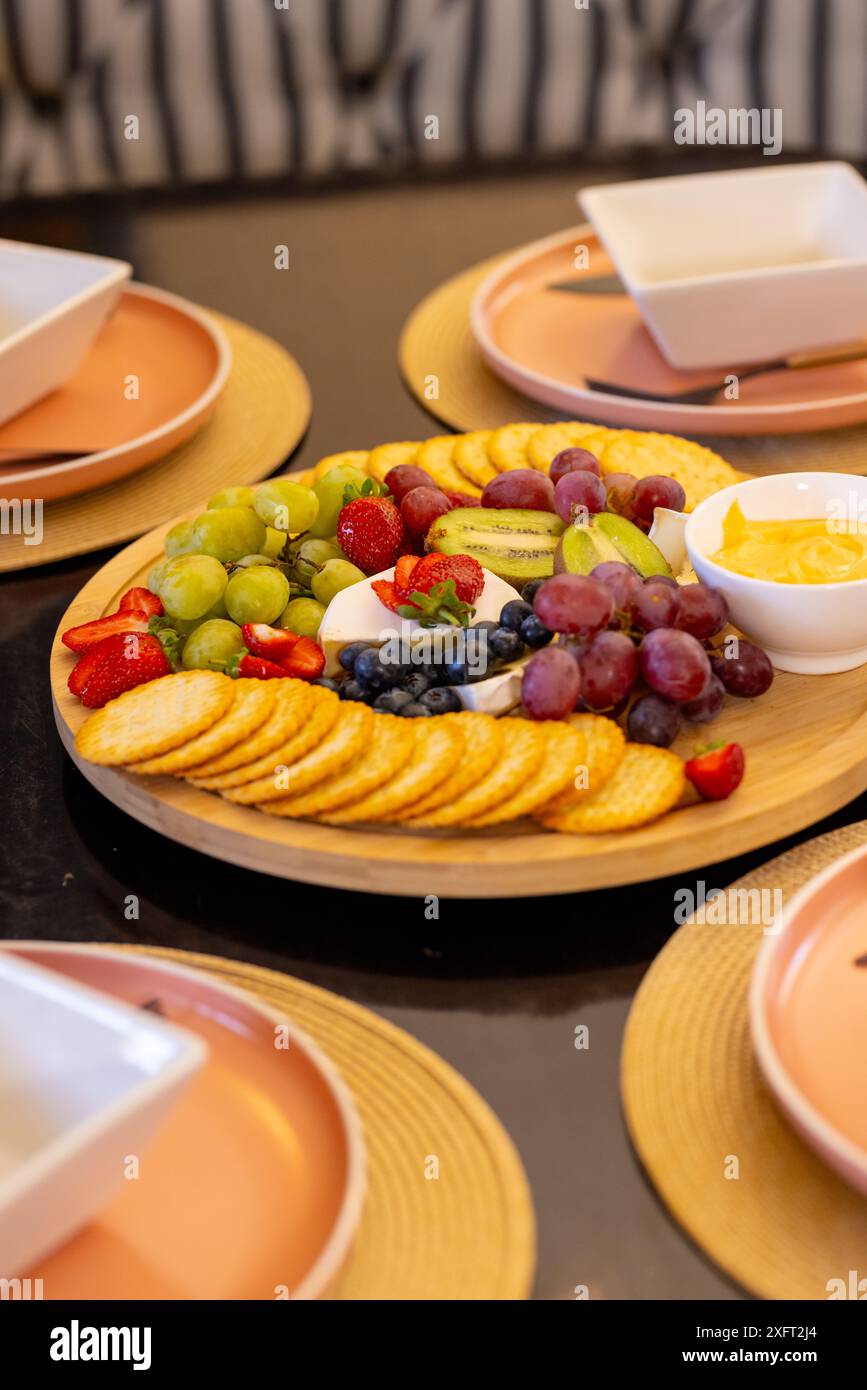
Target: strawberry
point(275, 643)
point(467, 574)
point(256, 668)
point(118, 663)
point(387, 593)
point(403, 572)
point(370, 528)
point(462, 499)
point(82, 638)
point(717, 770)
point(143, 601)
point(306, 661)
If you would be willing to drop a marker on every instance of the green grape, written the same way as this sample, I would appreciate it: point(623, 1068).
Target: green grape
point(247, 560)
point(155, 576)
point(179, 540)
point(190, 585)
point(211, 644)
point(184, 628)
point(257, 595)
point(329, 493)
point(233, 497)
point(274, 542)
point(227, 533)
point(286, 506)
point(333, 577)
point(310, 555)
point(303, 615)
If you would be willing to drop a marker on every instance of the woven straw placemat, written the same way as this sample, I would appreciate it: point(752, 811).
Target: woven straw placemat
point(467, 1234)
point(260, 418)
point(694, 1099)
point(437, 341)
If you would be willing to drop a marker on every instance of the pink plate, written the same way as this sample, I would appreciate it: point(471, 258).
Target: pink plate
point(546, 342)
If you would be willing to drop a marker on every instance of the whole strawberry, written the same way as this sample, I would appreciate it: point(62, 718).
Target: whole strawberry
point(370, 528)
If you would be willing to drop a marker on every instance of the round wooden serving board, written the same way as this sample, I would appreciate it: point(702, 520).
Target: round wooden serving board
point(806, 750)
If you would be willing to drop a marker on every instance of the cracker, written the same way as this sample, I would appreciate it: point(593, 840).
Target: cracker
point(484, 740)
point(700, 471)
point(550, 440)
point(388, 456)
point(344, 741)
point(646, 784)
point(470, 457)
point(437, 746)
point(293, 703)
point(389, 746)
point(357, 458)
point(507, 447)
point(322, 715)
point(254, 700)
point(520, 755)
point(153, 718)
point(435, 457)
point(604, 743)
point(564, 748)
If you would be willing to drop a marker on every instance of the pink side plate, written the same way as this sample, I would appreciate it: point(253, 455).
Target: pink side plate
point(808, 1015)
point(253, 1187)
point(546, 342)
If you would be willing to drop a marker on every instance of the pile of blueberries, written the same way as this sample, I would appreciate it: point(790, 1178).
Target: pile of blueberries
point(419, 691)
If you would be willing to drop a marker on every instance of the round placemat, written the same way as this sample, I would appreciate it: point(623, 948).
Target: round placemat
point(468, 1233)
point(260, 418)
point(437, 342)
point(695, 1102)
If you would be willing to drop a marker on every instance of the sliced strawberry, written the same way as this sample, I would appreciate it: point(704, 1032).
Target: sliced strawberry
point(306, 661)
point(82, 638)
point(467, 573)
point(143, 601)
point(274, 643)
point(256, 668)
point(387, 593)
point(717, 771)
point(86, 665)
point(403, 572)
point(119, 663)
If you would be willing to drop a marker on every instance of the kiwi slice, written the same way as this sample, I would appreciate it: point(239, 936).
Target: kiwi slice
point(582, 548)
point(634, 546)
point(515, 544)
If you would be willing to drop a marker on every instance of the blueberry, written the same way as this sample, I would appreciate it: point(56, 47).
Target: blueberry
point(487, 628)
point(392, 701)
point(435, 672)
point(514, 614)
point(534, 633)
point(441, 700)
point(529, 591)
point(328, 684)
point(414, 710)
point(351, 690)
point(457, 672)
point(370, 672)
point(416, 685)
point(506, 644)
point(350, 654)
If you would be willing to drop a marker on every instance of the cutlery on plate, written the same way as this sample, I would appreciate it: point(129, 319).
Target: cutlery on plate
point(703, 395)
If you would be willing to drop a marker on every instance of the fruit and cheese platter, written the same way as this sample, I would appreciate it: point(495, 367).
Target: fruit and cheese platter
point(577, 656)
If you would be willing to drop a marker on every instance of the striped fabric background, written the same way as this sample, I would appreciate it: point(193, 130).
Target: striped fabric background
point(260, 88)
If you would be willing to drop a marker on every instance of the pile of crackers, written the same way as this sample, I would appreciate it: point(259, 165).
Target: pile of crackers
point(467, 462)
point(296, 750)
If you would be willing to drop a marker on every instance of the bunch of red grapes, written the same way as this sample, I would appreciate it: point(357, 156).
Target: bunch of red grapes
point(617, 630)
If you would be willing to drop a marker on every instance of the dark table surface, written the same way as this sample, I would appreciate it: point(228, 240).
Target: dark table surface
point(496, 988)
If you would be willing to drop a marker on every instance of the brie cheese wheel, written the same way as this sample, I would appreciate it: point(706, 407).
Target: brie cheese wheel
point(668, 535)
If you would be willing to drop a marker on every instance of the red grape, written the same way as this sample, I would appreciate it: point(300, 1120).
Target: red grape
point(421, 507)
point(462, 499)
point(583, 491)
point(654, 720)
point(621, 581)
point(657, 491)
point(574, 604)
point(702, 611)
point(573, 461)
point(520, 487)
point(747, 672)
point(655, 605)
point(609, 670)
point(674, 664)
point(708, 704)
point(403, 478)
point(551, 684)
point(620, 487)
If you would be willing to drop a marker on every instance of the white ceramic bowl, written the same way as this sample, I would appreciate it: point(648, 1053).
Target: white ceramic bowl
point(52, 305)
point(741, 266)
point(810, 628)
point(84, 1081)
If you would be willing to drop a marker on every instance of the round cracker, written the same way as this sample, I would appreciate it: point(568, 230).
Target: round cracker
point(339, 746)
point(699, 470)
point(521, 754)
point(507, 447)
point(293, 703)
point(254, 700)
point(321, 716)
point(646, 784)
point(564, 747)
point(389, 747)
point(470, 457)
point(357, 458)
point(153, 718)
point(550, 440)
point(388, 456)
point(604, 742)
point(436, 748)
point(483, 735)
point(435, 457)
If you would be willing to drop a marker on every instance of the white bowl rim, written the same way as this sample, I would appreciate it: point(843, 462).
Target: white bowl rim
point(773, 1069)
point(769, 585)
point(335, 1251)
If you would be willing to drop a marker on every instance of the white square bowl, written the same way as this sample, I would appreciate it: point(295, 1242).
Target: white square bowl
point(744, 266)
point(52, 305)
point(85, 1081)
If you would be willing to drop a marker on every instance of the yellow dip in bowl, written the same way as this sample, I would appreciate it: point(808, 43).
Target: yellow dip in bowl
point(814, 551)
